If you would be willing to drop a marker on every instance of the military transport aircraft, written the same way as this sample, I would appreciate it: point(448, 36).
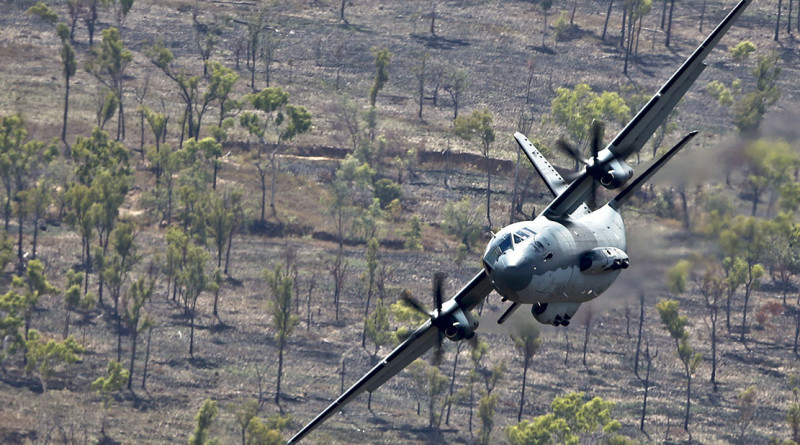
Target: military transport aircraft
point(569, 254)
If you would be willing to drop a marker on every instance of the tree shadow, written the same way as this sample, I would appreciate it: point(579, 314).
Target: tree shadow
point(357, 28)
point(543, 49)
point(437, 42)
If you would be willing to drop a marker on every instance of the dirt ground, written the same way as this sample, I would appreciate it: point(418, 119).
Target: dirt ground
point(492, 41)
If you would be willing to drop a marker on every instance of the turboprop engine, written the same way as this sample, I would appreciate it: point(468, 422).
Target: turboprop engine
point(556, 314)
point(616, 172)
point(603, 259)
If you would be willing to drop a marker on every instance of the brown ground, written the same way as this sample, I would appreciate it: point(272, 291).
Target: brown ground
point(493, 41)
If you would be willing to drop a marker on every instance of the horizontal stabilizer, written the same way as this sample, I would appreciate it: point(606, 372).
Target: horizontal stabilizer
point(552, 178)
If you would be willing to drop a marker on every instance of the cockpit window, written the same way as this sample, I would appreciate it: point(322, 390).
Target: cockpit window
point(505, 244)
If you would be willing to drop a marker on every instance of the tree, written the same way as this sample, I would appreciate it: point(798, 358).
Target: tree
point(204, 418)
point(746, 239)
point(244, 412)
point(21, 163)
point(747, 403)
point(486, 409)
point(527, 343)
point(645, 381)
point(272, 109)
point(43, 355)
point(108, 66)
point(33, 285)
point(280, 308)
point(382, 61)
point(455, 83)
point(68, 61)
point(217, 89)
point(107, 386)
point(195, 281)
point(339, 270)
point(369, 279)
point(377, 327)
point(134, 300)
point(430, 385)
point(460, 220)
point(749, 111)
point(545, 5)
point(676, 326)
point(74, 298)
point(570, 418)
point(110, 191)
point(479, 124)
point(576, 109)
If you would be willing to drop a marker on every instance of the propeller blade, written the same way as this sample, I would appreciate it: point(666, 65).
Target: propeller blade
point(571, 151)
point(438, 352)
point(413, 303)
point(438, 289)
point(598, 129)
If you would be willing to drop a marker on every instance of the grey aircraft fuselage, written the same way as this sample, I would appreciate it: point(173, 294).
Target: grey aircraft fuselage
point(539, 261)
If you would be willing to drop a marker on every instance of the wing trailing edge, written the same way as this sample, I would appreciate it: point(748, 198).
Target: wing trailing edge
point(640, 180)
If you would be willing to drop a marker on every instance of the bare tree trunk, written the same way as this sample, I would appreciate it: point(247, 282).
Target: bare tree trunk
point(608, 15)
point(639, 337)
point(702, 14)
point(669, 22)
point(146, 358)
point(778, 20)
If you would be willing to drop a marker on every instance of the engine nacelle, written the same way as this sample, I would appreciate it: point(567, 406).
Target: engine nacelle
point(616, 173)
point(603, 259)
point(455, 323)
point(556, 314)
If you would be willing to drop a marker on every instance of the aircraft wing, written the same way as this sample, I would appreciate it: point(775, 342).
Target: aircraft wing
point(420, 341)
point(633, 137)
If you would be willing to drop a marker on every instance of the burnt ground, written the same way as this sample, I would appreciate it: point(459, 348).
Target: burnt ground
point(492, 41)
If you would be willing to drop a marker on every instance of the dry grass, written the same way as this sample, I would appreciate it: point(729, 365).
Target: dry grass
point(492, 40)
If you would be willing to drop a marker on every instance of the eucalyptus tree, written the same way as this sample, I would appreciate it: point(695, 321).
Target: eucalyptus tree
point(134, 300)
point(479, 124)
point(217, 89)
point(68, 61)
point(279, 306)
point(745, 242)
point(22, 161)
point(675, 324)
point(108, 66)
point(195, 280)
point(272, 109)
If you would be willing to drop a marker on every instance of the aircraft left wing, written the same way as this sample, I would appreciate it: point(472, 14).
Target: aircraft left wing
point(636, 133)
point(633, 137)
point(420, 341)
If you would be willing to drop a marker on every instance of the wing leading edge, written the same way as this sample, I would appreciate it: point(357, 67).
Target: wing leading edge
point(420, 341)
point(636, 133)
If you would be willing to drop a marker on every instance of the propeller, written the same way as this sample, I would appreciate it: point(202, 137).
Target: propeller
point(596, 142)
point(438, 291)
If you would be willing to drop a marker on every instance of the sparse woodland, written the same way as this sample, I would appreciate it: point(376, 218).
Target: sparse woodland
point(211, 210)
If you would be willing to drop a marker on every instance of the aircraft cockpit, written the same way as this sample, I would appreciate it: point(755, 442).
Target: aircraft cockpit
point(503, 243)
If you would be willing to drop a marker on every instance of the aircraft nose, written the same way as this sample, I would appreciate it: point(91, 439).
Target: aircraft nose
point(512, 273)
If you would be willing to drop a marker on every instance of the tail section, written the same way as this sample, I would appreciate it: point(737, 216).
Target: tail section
point(555, 182)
